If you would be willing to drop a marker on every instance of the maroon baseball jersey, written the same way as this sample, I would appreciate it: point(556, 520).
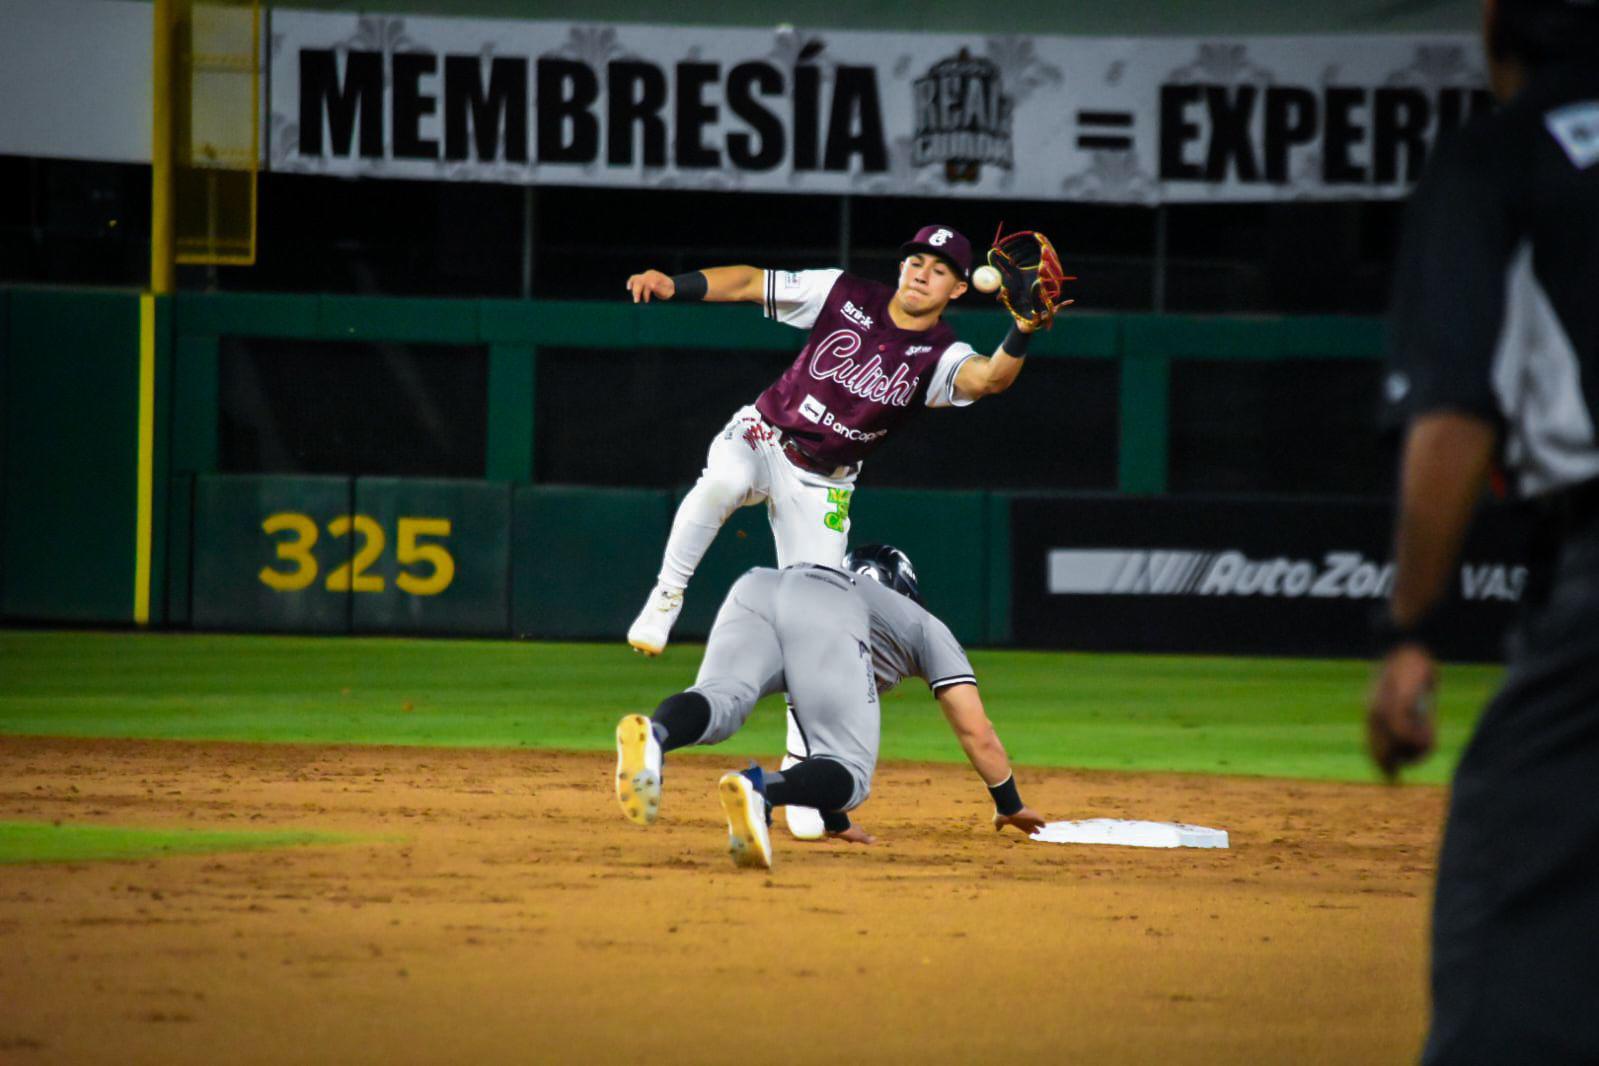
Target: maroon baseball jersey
point(859, 376)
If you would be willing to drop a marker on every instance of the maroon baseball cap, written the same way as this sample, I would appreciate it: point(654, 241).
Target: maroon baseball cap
point(945, 242)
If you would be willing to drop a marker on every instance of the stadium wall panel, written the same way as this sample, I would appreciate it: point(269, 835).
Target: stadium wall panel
point(584, 559)
point(1101, 414)
point(156, 481)
point(1239, 575)
point(5, 403)
point(178, 589)
point(440, 555)
point(275, 554)
point(948, 537)
point(70, 455)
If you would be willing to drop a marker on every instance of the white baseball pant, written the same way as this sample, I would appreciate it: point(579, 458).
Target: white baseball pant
point(809, 513)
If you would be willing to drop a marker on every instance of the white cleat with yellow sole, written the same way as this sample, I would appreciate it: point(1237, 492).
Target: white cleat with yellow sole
point(749, 838)
point(638, 770)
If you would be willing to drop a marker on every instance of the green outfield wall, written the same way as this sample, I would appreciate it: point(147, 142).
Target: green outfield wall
point(419, 556)
point(114, 482)
point(70, 454)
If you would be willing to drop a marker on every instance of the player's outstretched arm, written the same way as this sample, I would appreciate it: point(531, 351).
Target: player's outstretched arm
point(988, 375)
point(963, 709)
point(729, 284)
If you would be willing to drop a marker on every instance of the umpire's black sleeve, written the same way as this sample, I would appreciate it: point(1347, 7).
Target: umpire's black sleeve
point(1449, 286)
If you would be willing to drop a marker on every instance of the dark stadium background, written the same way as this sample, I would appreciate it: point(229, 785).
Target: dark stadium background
point(1237, 426)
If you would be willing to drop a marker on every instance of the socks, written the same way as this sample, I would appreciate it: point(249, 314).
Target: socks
point(817, 782)
point(681, 720)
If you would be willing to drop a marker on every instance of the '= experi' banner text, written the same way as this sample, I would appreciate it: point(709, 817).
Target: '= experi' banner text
point(807, 111)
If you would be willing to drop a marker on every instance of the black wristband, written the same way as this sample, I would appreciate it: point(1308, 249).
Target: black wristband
point(1015, 342)
point(835, 821)
point(1386, 634)
point(1007, 800)
point(691, 286)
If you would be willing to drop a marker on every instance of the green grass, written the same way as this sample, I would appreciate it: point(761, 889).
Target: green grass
point(35, 842)
point(1275, 717)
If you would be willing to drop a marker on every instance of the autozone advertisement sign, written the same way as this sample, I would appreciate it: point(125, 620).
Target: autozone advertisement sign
point(1238, 576)
point(810, 110)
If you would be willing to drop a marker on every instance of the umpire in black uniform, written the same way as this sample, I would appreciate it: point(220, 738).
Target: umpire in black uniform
point(1495, 358)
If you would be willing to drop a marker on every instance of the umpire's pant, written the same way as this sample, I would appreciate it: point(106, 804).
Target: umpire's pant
point(1515, 968)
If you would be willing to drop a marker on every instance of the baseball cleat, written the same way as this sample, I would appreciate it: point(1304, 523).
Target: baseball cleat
point(743, 796)
point(653, 626)
point(638, 769)
point(804, 823)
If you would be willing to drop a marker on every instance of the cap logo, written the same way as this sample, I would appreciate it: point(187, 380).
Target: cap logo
point(941, 238)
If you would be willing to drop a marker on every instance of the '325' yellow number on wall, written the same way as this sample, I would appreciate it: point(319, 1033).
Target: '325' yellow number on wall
point(351, 576)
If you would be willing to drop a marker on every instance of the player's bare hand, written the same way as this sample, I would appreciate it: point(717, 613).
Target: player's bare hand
point(1399, 720)
point(1026, 819)
point(854, 835)
point(651, 283)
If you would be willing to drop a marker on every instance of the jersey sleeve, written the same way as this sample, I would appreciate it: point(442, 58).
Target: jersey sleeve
point(1449, 286)
point(943, 660)
point(795, 297)
point(941, 392)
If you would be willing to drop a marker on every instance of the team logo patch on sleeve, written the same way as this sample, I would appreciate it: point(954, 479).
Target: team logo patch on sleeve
point(1576, 127)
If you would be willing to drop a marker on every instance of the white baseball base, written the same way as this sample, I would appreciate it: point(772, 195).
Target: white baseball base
point(1132, 834)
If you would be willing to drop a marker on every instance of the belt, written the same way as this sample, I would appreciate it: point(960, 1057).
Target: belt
point(805, 461)
point(1569, 510)
point(1561, 520)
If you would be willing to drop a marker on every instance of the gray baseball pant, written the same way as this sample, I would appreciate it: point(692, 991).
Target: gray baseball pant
point(803, 630)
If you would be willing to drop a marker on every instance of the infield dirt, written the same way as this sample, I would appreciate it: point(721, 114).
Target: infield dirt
point(503, 910)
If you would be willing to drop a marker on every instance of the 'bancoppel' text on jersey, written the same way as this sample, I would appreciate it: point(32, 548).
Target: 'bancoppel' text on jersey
point(859, 376)
point(1496, 292)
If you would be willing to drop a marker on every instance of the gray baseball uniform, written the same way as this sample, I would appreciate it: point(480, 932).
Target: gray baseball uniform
point(832, 641)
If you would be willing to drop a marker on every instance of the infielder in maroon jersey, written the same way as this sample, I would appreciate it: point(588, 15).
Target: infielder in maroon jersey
point(875, 357)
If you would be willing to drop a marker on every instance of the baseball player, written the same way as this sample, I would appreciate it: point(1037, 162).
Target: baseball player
point(833, 639)
point(874, 357)
point(1495, 355)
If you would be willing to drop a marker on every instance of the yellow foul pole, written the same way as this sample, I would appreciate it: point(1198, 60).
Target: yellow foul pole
point(144, 510)
point(161, 284)
point(161, 206)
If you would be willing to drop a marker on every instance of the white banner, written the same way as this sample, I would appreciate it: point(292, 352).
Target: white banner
point(815, 111)
point(808, 111)
point(75, 79)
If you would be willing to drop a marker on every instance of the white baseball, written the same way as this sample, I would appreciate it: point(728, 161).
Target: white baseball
point(986, 278)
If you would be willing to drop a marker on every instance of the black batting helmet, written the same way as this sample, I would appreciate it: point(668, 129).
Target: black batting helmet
point(886, 565)
point(1543, 31)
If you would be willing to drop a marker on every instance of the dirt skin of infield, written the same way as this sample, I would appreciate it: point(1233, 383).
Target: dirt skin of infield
point(500, 910)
